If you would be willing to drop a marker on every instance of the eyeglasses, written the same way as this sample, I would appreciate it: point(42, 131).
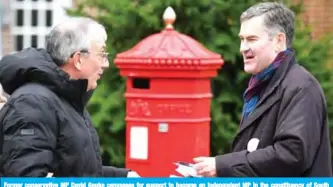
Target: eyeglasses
point(102, 55)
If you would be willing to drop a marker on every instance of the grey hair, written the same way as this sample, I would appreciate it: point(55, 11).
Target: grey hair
point(277, 18)
point(73, 35)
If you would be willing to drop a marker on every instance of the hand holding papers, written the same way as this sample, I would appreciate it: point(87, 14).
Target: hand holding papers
point(185, 169)
point(205, 166)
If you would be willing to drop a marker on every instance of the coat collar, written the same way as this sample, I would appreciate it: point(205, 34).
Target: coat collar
point(266, 101)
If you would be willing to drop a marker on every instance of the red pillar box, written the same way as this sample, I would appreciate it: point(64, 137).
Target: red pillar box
point(168, 97)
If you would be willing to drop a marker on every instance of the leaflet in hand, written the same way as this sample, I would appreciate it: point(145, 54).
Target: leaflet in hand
point(186, 170)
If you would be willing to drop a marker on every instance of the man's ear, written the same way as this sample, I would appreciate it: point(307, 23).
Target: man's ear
point(77, 61)
point(280, 42)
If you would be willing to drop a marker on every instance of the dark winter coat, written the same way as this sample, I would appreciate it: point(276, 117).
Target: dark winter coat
point(290, 122)
point(45, 126)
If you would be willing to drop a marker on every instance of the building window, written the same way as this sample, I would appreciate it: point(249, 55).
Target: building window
point(34, 18)
point(18, 42)
point(34, 41)
point(48, 18)
point(19, 17)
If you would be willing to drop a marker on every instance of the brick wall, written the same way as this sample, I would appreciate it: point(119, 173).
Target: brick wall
point(319, 14)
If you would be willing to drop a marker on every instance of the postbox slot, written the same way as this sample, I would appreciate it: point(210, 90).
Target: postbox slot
point(141, 83)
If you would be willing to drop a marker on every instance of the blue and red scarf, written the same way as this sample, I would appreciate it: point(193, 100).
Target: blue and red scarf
point(258, 82)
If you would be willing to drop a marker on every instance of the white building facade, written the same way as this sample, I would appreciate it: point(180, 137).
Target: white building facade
point(31, 20)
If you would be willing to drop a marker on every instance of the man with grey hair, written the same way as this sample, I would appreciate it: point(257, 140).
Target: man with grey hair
point(45, 127)
point(284, 130)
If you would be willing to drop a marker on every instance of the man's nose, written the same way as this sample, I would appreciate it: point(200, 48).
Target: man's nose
point(244, 47)
point(105, 64)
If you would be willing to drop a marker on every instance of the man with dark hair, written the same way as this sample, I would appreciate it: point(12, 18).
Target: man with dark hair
point(284, 130)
